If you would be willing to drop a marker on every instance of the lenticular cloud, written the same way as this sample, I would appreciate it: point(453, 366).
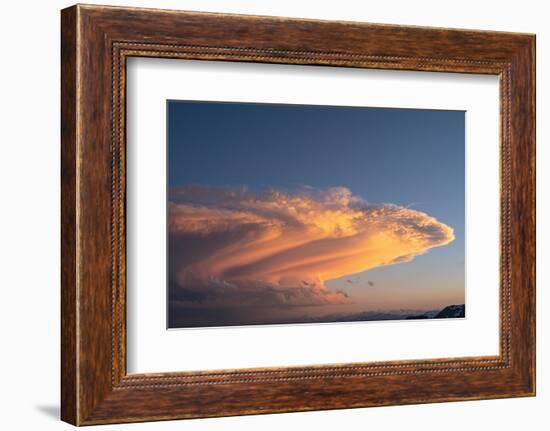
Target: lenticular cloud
point(232, 247)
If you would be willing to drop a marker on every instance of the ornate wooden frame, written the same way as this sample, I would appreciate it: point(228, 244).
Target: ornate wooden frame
point(95, 42)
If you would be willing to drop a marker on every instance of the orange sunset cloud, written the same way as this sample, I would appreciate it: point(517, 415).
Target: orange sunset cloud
point(233, 247)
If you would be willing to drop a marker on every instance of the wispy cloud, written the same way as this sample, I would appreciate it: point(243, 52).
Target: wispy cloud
point(235, 248)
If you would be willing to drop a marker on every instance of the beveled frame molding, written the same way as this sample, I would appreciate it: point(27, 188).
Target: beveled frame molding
point(96, 41)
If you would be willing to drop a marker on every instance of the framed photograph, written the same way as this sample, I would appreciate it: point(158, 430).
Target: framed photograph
point(264, 215)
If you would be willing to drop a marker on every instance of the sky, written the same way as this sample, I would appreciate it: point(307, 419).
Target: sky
point(298, 212)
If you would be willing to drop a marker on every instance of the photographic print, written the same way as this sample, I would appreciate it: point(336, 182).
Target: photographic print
point(294, 214)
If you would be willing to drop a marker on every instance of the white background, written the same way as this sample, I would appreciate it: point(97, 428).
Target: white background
point(29, 228)
point(151, 348)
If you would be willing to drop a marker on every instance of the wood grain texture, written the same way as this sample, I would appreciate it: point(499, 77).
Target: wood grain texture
point(69, 397)
point(96, 41)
